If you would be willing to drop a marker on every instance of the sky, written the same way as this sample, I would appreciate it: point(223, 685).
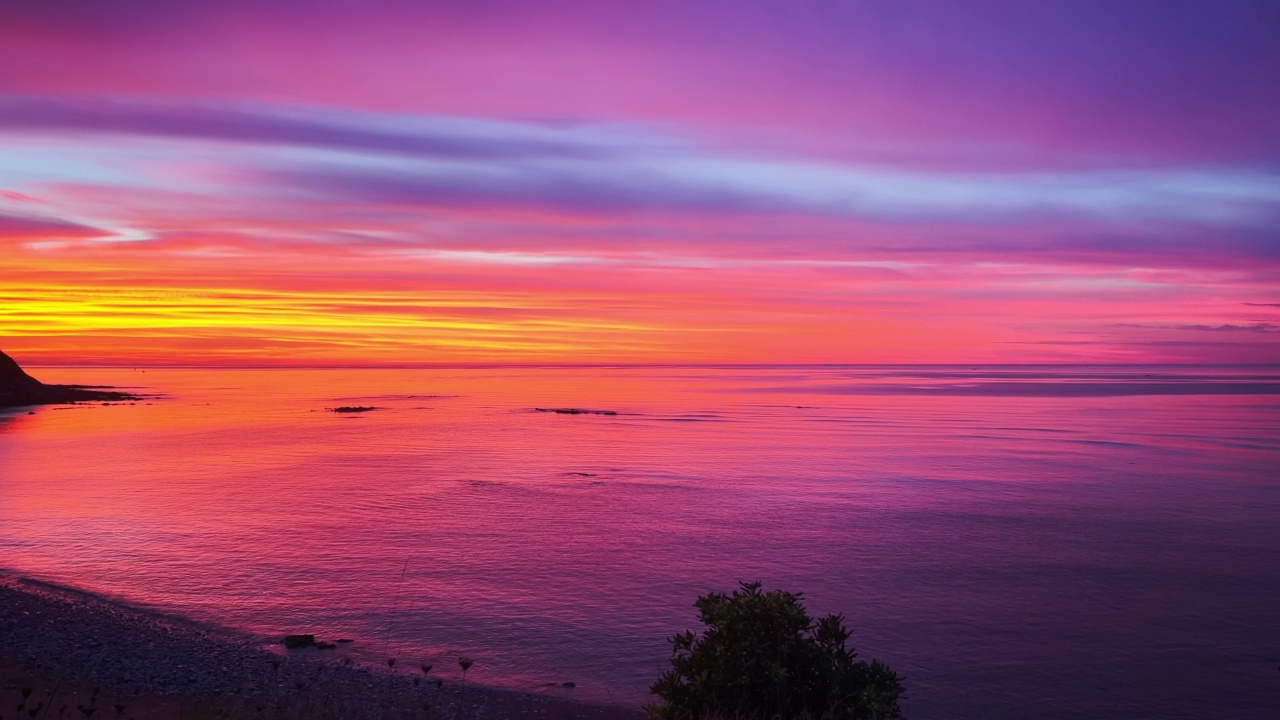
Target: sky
point(482, 181)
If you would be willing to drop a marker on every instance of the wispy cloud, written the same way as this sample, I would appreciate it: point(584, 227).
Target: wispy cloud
point(404, 135)
point(434, 161)
point(1223, 328)
point(35, 228)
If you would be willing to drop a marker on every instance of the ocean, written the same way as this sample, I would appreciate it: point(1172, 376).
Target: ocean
point(1017, 541)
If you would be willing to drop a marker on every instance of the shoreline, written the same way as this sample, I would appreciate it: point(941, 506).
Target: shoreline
point(69, 648)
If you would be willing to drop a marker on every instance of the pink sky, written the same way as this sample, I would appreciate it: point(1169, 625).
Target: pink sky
point(409, 182)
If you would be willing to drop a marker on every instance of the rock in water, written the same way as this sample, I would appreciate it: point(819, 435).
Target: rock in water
point(576, 411)
point(299, 641)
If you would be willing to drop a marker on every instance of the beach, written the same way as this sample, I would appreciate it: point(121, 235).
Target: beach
point(68, 653)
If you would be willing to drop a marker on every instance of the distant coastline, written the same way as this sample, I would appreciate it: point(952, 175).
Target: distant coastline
point(18, 389)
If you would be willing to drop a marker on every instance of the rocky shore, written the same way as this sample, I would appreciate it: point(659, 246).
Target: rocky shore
point(77, 655)
point(18, 389)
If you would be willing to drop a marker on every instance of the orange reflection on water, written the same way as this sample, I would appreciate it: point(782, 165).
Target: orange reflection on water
point(997, 509)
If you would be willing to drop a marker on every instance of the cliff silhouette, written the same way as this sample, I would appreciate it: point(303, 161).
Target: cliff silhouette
point(17, 388)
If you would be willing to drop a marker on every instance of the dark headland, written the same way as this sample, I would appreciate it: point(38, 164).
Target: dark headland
point(17, 389)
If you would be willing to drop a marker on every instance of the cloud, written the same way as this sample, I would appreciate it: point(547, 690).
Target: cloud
point(430, 137)
point(1196, 81)
point(31, 228)
point(1223, 328)
point(695, 183)
point(591, 190)
point(17, 197)
point(437, 159)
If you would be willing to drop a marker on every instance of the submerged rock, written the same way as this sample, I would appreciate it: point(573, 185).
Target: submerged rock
point(576, 411)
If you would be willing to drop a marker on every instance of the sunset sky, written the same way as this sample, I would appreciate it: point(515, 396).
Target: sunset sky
point(404, 182)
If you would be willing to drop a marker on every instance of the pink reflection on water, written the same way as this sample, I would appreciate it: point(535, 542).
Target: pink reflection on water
point(988, 545)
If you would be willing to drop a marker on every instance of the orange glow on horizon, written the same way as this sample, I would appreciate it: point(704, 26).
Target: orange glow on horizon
point(113, 305)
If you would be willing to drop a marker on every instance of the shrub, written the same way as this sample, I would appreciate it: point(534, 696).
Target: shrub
point(762, 656)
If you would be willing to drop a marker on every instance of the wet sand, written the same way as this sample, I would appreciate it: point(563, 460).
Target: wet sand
point(77, 655)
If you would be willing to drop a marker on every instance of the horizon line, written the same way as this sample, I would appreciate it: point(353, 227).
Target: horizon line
point(619, 365)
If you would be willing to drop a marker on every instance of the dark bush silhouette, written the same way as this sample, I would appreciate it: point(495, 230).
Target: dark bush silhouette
point(762, 656)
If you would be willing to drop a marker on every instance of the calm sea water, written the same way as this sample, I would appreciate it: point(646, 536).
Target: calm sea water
point(1018, 541)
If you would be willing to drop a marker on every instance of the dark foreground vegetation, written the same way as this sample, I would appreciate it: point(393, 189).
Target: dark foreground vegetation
point(762, 656)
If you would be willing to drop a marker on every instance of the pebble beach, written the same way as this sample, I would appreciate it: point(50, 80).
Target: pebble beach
point(71, 654)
